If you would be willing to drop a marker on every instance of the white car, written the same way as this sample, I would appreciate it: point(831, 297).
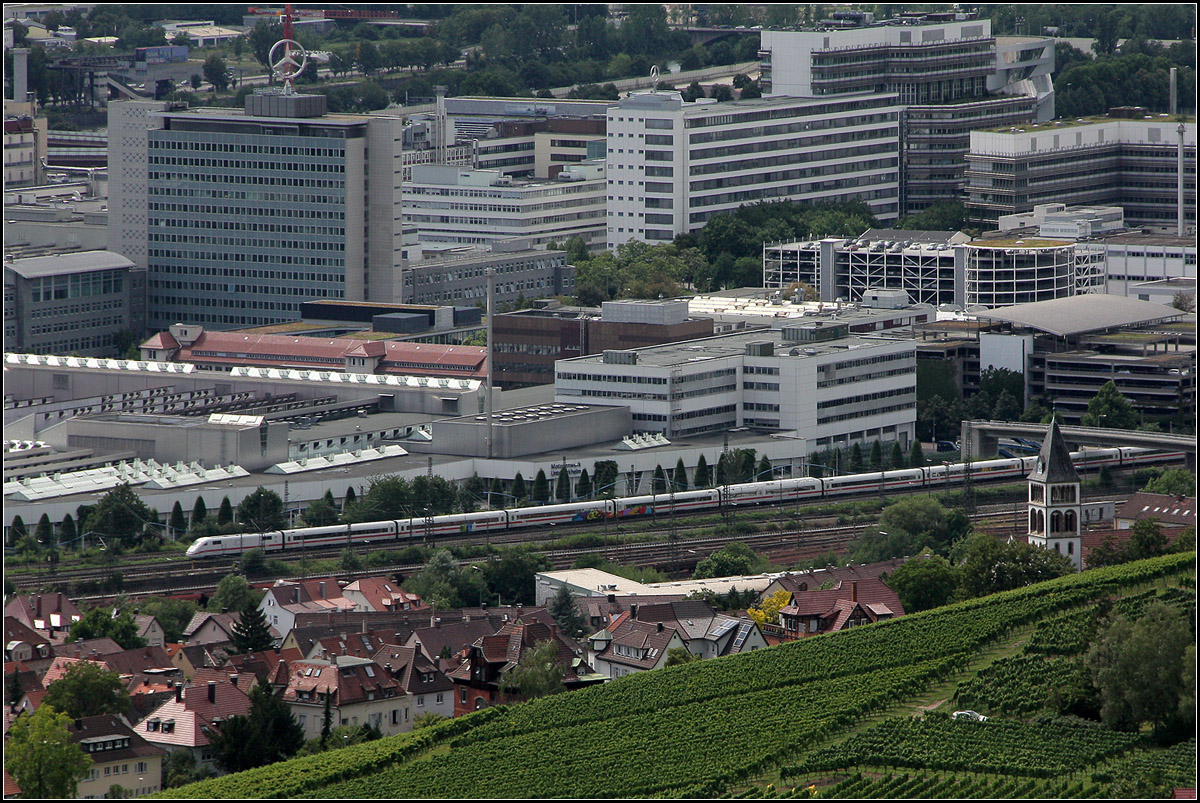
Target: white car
point(970, 715)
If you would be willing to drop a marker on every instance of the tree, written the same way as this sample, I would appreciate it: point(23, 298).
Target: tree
point(216, 73)
point(225, 512)
point(87, 689)
point(177, 522)
point(496, 494)
point(989, 565)
point(541, 488)
point(120, 516)
point(680, 655)
point(566, 615)
point(1141, 670)
point(583, 488)
point(1146, 541)
point(1109, 409)
point(856, 459)
point(513, 574)
point(659, 482)
point(199, 511)
point(17, 531)
point(261, 510)
point(66, 530)
point(701, 480)
point(897, 459)
point(679, 477)
point(41, 757)
point(266, 734)
point(233, 593)
point(262, 38)
point(180, 769)
point(562, 489)
point(1173, 482)
point(320, 513)
point(927, 581)
point(538, 673)
point(735, 558)
point(916, 457)
point(1184, 301)
point(106, 623)
point(517, 490)
point(251, 632)
point(767, 611)
point(172, 614)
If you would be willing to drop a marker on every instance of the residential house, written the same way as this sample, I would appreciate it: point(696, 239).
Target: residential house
point(1171, 512)
point(448, 637)
point(358, 645)
point(149, 629)
point(50, 614)
point(26, 680)
point(793, 582)
point(426, 687)
point(847, 604)
point(360, 692)
point(120, 757)
point(22, 642)
point(380, 594)
point(210, 628)
point(186, 721)
point(708, 634)
point(479, 677)
point(600, 612)
point(286, 599)
point(628, 646)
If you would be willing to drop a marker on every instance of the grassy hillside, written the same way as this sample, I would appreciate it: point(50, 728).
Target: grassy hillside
point(725, 726)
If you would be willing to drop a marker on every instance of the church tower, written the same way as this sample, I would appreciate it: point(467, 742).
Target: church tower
point(1054, 503)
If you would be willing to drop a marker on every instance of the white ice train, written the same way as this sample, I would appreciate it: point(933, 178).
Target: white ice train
point(751, 493)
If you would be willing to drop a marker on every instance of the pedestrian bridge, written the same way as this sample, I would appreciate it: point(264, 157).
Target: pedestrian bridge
point(984, 438)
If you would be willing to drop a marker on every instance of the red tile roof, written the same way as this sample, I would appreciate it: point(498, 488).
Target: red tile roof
point(193, 717)
point(1180, 510)
point(162, 340)
point(350, 682)
point(278, 351)
point(382, 594)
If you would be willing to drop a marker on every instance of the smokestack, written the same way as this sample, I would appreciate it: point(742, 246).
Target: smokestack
point(20, 74)
point(1179, 183)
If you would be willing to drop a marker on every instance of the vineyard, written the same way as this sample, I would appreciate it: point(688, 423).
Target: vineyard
point(710, 728)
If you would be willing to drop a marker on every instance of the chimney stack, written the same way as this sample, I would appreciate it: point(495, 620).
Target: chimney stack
point(854, 591)
point(212, 691)
point(179, 692)
point(234, 678)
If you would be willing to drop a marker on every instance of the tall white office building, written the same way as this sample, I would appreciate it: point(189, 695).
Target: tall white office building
point(673, 165)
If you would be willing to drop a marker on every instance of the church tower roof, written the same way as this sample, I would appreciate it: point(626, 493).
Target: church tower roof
point(1053, 464)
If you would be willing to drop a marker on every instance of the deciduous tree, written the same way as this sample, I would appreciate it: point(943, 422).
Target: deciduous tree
point(538, 673)
point(41, 757)
point(87, 689)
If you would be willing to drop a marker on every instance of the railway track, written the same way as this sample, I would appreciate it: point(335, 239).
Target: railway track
point(780, 546)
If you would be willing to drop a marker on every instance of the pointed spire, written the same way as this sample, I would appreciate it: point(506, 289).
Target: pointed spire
point(1053, 464)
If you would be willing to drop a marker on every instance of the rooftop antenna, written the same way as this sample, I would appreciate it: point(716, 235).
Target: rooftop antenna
point(287, 57)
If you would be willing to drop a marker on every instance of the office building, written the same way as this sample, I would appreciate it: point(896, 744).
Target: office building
point(812, 379)
point(937, 267)
point(672, 165)
point(949, 73)
point(1127, 159)
point(458, 276)
point(528, 342)
point(249, 213)
point(24, 144)
point(72, 303)
point(448, 204)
